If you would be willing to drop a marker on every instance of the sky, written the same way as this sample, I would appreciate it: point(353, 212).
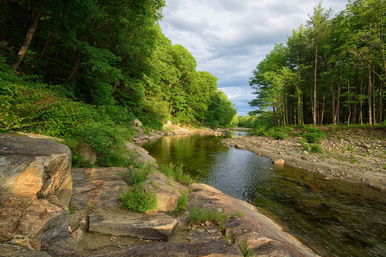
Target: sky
point(229, 38)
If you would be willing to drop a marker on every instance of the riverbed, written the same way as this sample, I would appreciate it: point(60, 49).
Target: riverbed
point(333, 217)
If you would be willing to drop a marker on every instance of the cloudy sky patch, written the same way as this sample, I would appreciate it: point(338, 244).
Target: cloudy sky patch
point(230, 37)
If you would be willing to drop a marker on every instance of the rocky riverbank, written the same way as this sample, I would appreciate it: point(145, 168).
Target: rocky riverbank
point(353, 155)
point(49, 209)
point(172, 130)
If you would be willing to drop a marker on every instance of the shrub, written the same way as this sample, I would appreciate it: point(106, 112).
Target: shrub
point(32, 107)
point(279, 133)
point(136, 175)
point(138, 199)
point(313, 137)
point(315, 148)
point(200, 215)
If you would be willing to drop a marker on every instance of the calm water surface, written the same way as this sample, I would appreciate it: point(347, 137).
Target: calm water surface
point(333, 217)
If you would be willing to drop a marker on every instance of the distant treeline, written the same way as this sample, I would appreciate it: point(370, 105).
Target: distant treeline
point(331, 70)
point(109, 53)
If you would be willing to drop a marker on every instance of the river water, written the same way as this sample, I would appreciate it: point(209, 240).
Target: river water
point(333, 217)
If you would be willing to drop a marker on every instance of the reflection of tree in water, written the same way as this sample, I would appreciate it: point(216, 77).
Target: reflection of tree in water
point(196, 153)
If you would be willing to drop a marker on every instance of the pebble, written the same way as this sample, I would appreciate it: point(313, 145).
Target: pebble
point(212, 230)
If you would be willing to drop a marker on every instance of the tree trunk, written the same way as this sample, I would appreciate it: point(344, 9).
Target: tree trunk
point(337, 109)
point(333, 103)
point(74, 70)
point(315, 103)
point(322, 114)
point(45, 47)
point(27, 40)
point(369, 96)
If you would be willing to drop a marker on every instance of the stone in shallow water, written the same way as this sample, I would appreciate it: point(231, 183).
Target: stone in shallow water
point(149, 226)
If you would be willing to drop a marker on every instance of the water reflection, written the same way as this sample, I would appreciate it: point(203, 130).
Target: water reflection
point(333, 217)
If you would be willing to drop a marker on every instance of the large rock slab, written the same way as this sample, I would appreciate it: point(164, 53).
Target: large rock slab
point(215, 248)
point(152, 226)
point(167, 191)
point(34, 168)
point(258, 231)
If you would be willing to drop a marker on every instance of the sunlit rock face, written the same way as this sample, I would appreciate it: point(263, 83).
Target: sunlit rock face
point(36, 188)
point(34, 168)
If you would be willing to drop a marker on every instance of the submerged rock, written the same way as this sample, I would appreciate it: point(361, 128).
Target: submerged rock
point(214, 248)
point(279, 162)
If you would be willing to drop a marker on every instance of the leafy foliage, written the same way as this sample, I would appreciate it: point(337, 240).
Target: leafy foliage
point(138, 199)
point(313, 137)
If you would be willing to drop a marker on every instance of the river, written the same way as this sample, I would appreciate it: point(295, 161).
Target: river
point(333, 217)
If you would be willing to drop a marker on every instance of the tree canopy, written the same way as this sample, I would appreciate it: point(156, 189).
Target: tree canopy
point(330, 70)
point(108, 53)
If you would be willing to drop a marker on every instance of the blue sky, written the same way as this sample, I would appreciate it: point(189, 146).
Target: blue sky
point(230, 37)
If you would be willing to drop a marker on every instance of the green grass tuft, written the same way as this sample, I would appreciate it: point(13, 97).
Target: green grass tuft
point(176, 172)
point(137, 174)
point(315, 148)
point(138, 199)
point(181, 204)
point(200, 215)
point(245, 250)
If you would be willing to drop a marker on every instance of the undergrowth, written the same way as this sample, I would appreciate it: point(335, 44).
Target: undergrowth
point(27, 105)
point(138, 199)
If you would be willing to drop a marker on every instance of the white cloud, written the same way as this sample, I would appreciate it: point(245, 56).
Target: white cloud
point(230, 37)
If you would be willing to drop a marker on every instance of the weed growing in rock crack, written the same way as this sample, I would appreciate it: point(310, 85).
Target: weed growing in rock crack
point(181, 204)
point(176, 172)
point(245, 250)
point(71, 209)
point(136, 175)
point(200, 215)
point(138, 199)
point(230, 238)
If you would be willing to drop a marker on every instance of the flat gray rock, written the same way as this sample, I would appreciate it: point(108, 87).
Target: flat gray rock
point(146, 226)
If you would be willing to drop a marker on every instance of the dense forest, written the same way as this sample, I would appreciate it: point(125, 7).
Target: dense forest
point(109, 53)
point(83, 70)
point(329, 71)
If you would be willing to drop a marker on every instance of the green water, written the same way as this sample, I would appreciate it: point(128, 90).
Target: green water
point(333, 217)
